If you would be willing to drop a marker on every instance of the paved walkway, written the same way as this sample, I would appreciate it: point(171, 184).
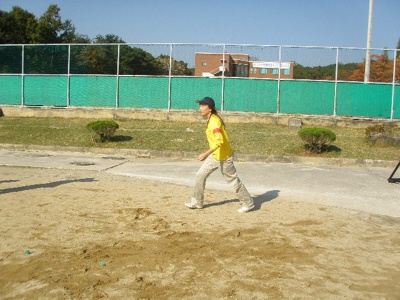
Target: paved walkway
point(358, 188)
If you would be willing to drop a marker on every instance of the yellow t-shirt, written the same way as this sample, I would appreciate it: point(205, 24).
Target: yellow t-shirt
point(218, 138)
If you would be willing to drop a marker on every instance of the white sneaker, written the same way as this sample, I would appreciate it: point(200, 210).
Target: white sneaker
point(245, 209)
point(194, 206)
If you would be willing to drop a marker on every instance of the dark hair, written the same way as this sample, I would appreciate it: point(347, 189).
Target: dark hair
point(214, 112)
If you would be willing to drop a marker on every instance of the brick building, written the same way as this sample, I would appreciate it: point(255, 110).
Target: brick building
point(239, 65)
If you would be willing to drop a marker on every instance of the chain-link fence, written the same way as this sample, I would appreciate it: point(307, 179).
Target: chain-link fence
point(257, 78)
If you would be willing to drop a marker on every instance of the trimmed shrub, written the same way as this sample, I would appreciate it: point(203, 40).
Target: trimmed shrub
point(102, 130)
point(316, 139)
point(382, 135)
point(378, 128)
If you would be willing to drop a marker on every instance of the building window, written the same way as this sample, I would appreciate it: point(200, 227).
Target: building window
point(241, 70)
point(263, 71)
point(286, 71)
point(204, 63)
point(275, 71)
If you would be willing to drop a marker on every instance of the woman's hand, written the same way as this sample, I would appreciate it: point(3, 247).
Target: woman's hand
point(204, 155)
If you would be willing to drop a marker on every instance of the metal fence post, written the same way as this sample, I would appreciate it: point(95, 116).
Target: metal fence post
point(170, 77)
point(117, 87)
point(223, 80)
point(278, 100)
point(22, 75)
point(393, 84)
point(336, 83)
point(69, 76)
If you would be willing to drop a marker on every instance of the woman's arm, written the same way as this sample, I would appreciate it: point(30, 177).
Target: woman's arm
point(204, 155)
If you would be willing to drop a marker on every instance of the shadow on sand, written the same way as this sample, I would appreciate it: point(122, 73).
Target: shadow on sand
point(258, 200)
point(43, 185)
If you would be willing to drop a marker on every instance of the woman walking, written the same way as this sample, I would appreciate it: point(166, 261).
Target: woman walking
point(219, 155)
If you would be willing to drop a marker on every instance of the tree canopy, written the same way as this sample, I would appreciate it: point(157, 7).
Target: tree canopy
point(22, 27)
point(17, 27)
point(381, 69)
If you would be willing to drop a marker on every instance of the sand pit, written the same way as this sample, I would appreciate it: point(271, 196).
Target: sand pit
point(96, 235)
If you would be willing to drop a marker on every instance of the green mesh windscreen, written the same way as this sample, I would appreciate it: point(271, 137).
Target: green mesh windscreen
point(97, 91)
point(250, 95)
point(359, 99)
point(307, 97)
point(143, 92)
point(185, 90)
point(10, 90)
point(45, 90)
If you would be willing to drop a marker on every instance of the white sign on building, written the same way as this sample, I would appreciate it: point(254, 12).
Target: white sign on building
point(270, 65)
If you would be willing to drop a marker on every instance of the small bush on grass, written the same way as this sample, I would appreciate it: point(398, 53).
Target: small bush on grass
point(102, 130)
point(378, 128)
point(382, 135)
point(317, 139)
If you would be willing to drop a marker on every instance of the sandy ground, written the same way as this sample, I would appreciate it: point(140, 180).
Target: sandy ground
point(95, 235)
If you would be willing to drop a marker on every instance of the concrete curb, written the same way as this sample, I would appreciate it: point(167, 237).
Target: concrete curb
point(182, 155)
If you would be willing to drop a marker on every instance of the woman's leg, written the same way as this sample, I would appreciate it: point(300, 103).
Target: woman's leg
point(208, 166)
point(228, 170)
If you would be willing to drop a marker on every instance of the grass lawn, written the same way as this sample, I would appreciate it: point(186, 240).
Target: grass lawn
point(247, 138)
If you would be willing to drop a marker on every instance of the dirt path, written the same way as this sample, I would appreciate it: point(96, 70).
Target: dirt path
point(153, 247)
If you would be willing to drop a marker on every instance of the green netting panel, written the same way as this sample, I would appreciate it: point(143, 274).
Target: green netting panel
point(396, 114)
point(97, 91)
point(143, 92)
point(306, 97)
point(256, 95)
point(359, 99)
point(45, 90)
point(10, 90)
point(185, 90)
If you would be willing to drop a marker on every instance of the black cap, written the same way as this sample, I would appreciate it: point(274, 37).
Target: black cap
point(206, 100)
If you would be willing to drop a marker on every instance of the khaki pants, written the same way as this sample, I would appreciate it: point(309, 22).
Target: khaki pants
point(228, 170)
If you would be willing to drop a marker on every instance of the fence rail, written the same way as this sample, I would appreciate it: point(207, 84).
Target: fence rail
point(325, 80)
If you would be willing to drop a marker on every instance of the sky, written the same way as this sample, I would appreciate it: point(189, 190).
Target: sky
point(330, 23)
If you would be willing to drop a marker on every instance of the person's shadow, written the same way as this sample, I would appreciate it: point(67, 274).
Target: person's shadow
point(8, 181)
point(258, 200)
point(43, 185)
point(264, 198)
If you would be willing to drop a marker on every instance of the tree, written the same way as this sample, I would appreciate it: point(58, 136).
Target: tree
point(398, 49)
point(324, 72)
point(346, 70)
point(178, 67)
point(381, 69)
point(102, 59)
point(81, 39)
point(136, 61)
point(108, 39)
point(96, 59)
point(68, 34)
point(17, 26)
point(51, 29)
point(164, 63)
point(21, 27)
point(181, 68)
